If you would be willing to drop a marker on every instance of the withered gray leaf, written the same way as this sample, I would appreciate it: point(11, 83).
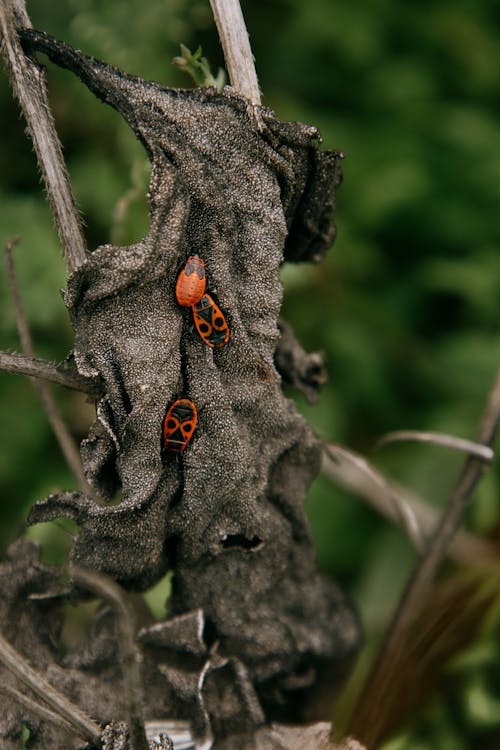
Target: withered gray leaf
point(227, 514)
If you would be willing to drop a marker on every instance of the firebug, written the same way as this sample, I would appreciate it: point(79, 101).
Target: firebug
point(191, 282)
point(210, 322)
point(179, 424)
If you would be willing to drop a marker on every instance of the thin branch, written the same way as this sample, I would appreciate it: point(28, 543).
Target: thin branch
point(236, 46)
point(381, 677)
point(66, 442)
point(465, 547)
point(107, 589)
point(59, 374)
point(438, 438)
point(39, 710)
point(19, 667)
point(28, 82)
point(472, 472)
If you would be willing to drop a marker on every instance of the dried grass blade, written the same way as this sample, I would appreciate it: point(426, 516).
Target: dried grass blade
point(478, 450)
point(392, 502)
point(15, 663)
point(382, 679)
point(465, 547)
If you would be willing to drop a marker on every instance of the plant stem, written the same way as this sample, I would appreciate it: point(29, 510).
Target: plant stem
point(382, 678)
point(59, 374)
point(235, 43)
point(16, 664)
point(38, 709)
point(111, 592)
point(28, 82)
point(67, 445)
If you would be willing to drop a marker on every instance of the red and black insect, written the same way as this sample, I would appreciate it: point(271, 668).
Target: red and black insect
point(210, 322)
point(179, 424)
point(191, 282)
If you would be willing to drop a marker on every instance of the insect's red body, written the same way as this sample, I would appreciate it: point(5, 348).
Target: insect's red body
point(191, 282)
point(210, 322)
point(179, 424)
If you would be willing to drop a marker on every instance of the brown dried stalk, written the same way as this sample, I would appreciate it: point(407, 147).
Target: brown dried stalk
point(438, 438)
point(382, 678)
point(28, 82)
point(340, 456)
point(38, 709)
point(395, 502)
point(20, 364)
point(236, 46)
point(108, 590)
point(72, 714)
point(65, 440)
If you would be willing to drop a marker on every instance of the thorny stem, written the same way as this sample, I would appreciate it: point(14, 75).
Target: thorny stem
point(419, 585)
point(28, 82)
point(108, 590)
point(16, 664)
point(66, 442)
point(236, 46)
point(59, 374)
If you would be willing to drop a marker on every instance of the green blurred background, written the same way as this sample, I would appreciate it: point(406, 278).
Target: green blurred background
point(405, 306)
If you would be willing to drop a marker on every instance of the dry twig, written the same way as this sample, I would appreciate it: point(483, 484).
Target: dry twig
point(72, 714)
point(66, 442)
point(438, 438)
point(108, 590)
point(395, 502)
point(389, 499)
point(28, 81)
point(59, 374)
point(38, 709)
point(236, 46)
point(381, 678)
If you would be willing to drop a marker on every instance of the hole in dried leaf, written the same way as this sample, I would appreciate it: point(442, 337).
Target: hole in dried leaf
point(240, 540)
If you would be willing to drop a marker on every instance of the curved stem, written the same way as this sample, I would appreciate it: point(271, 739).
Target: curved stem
point(38, 709)
point(107, 589)
point(438, 438)
point(381, 677)
point(395, 501)
point(389, 499)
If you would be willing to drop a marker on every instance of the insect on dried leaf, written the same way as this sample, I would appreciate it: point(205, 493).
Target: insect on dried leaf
point(191, 282)
point(179, 425)
point(210, 322)
point(264, 654)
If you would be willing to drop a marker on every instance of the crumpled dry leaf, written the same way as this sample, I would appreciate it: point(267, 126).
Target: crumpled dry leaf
point(228, 513)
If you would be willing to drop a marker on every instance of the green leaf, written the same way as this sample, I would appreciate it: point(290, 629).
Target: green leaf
point(198, 68)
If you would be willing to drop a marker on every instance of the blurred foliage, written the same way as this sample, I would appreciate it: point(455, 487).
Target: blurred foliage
point(405, 307)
